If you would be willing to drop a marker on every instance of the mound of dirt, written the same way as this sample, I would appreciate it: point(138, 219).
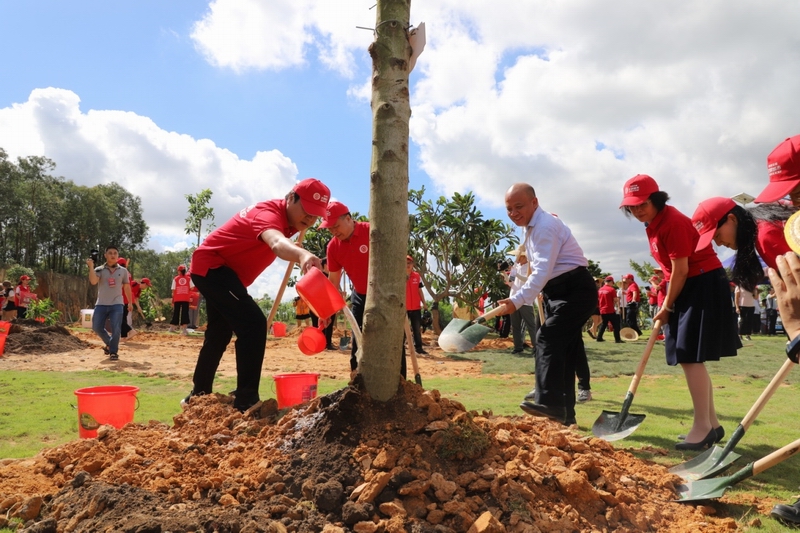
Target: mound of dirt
point(31, 337)
point(418, 463)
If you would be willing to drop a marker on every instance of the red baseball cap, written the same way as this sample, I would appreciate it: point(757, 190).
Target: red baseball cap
point(314, 196)
point(332, 213)
point(409, 258)
point(638, 189)
point(628, 277)
point(24, 277)
point(707, 216)
point(122, 261)
point(145, 281)
point(181, 268)
point(783, 165)
point(609, 278)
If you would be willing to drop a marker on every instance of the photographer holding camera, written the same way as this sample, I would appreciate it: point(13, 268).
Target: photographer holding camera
point(111, 279)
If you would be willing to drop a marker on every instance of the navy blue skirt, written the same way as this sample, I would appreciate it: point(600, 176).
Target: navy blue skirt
point(702, 327)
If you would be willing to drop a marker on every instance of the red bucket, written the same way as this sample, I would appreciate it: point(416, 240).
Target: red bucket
point(109, 404)
point(311, 341)
point(2, 343)
point(292, 389)
point(320, 294)
point(279, 329)
point(5, 327)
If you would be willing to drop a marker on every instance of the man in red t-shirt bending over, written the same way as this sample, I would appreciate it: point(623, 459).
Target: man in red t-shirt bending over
point(228, 262)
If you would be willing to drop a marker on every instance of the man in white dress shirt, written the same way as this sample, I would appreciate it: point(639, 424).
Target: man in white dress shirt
point(558, 269)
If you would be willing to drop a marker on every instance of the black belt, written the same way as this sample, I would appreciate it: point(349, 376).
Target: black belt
point(564, 278)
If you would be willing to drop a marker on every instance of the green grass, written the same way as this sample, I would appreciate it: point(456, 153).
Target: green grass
point(37, 409)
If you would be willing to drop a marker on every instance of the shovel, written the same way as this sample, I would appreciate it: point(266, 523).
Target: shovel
point(613, 426)
point(412, 351)
point(463, 335)
point(717, 459)
point(708, 489)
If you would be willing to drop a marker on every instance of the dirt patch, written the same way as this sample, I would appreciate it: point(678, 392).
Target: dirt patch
point(32, 337)
point(343, 462)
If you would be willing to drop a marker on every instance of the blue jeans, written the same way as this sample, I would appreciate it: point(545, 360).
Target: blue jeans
point(114, 314)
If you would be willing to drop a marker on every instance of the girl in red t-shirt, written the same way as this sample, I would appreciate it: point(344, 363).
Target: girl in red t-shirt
point(696, 313)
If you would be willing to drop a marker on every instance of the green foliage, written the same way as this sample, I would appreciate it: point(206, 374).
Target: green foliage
point(149, 304)
point(49, 223)
point(644, 271)
point(198, 212)
point(43, 309)
point(160, 268)
point(595, 270)
point(462, 440)
point(16, 271)
point(456, 249)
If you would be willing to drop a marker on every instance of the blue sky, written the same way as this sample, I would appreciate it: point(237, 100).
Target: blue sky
point(245, 97)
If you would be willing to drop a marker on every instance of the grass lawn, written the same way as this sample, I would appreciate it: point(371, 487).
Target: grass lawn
point(37, 409)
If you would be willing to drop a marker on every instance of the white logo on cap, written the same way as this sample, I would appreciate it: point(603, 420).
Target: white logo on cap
point(632, 188)
point(774, 168)
point(698, 225)
point(363, 249)
point(316, 196)
point(327, 213)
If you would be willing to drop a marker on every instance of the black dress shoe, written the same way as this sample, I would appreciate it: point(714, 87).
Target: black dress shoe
point(570, 421)
point(536, 409)
point(707, 442)
point(787, 513)
point(719, 430)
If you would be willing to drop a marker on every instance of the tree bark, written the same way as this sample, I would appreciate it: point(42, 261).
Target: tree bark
point(385, 310)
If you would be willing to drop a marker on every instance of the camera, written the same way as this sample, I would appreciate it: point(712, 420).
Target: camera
point(95, 255)
point(503, 265)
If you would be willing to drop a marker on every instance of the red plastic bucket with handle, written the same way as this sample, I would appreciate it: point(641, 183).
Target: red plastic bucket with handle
point(292, 389)
point(108, 404)
point(2, 343)
point(311, 341)
point(320, 294)
point(5, 327)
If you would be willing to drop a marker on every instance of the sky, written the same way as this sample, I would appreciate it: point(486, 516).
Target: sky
point(248, 97)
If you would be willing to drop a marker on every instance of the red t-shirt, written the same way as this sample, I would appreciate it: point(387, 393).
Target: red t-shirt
point(605, 299)
point(136, 289)
point(672, 236)
point(352, 255)
point(632, 293)
point(237, 244)
point(771, 241)
point(194, 298)
point(181, 285)
point(413, 283)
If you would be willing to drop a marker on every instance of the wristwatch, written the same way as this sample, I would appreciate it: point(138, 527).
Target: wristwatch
point(793, 349)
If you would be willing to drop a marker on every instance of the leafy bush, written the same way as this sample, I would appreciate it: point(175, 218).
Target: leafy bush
point(44, 310)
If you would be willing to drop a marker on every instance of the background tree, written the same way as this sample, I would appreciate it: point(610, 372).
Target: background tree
point(644, 271)
point(384, 313)
point(198, 212)
point(456, 249)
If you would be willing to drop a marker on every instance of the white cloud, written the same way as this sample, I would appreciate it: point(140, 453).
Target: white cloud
point(247, 34)
point(161, 167)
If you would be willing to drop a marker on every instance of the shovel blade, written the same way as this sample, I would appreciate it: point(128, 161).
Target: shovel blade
point(458, 336)
point(611, 427)
point(708, 464)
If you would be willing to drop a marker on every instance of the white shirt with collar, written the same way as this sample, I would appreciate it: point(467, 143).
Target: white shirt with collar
point(552, 250)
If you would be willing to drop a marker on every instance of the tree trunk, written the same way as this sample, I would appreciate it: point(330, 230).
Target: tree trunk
point(385, 310)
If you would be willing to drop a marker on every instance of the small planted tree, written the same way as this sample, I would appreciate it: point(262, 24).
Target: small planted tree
point(199, 211)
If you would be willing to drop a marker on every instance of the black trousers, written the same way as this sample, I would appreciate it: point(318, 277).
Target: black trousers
point(570, 301)
point(180, 314)
point(359, 301)
point(632, 317)
point(230, 310)
point(746, 322)
point(772, 320)
point(606, 318)
point(125, 327)
point(415, 317)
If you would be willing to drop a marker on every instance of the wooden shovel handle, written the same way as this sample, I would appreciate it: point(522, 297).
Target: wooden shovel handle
point(499, 310)
point(767, 394)
point(637, 377)
point(412, 351)
point(776, 457)
point(278, 297)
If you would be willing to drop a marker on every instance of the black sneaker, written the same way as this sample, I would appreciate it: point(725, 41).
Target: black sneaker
point(113, 357)
point(185, 401)
point(106, 350)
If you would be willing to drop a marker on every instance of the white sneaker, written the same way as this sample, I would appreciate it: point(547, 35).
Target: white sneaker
point(584, 395)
